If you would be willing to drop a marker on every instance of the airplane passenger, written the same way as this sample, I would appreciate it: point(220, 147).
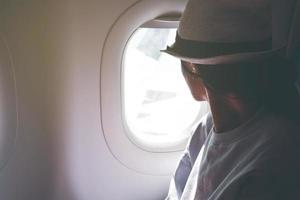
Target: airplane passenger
point(247, 147)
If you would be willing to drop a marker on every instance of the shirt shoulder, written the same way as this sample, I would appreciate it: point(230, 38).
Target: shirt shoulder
point(199, 136)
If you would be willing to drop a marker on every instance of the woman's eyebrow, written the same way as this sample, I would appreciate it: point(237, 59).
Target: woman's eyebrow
point(187, 64)
point(188, 71)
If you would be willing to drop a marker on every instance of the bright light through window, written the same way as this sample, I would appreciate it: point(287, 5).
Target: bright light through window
point(158, 106)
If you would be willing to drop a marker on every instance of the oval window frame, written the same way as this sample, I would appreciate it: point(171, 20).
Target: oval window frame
point(120, 145)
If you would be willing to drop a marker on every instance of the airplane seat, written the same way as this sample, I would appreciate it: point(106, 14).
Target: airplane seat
point(293, 49)
point(296, 60)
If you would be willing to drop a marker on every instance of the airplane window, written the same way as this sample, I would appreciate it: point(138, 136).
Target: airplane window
point(157, 104)
point(147, 112)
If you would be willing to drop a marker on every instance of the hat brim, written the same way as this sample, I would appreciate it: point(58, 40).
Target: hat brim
point(226, 59)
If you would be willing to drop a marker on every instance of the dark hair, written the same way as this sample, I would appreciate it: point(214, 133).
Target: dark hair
point(271, 81)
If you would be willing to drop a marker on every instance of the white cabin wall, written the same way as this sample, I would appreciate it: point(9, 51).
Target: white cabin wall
point(60, 152)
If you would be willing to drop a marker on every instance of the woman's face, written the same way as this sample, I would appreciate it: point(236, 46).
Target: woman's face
point(194, 81)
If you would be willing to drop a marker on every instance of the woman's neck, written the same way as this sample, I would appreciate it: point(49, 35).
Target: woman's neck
point(229, 112)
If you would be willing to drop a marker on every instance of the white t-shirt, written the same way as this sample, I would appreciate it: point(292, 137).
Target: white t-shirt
point(258, 160)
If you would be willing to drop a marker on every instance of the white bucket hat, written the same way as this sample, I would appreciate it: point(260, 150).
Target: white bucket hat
point(224, 32)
